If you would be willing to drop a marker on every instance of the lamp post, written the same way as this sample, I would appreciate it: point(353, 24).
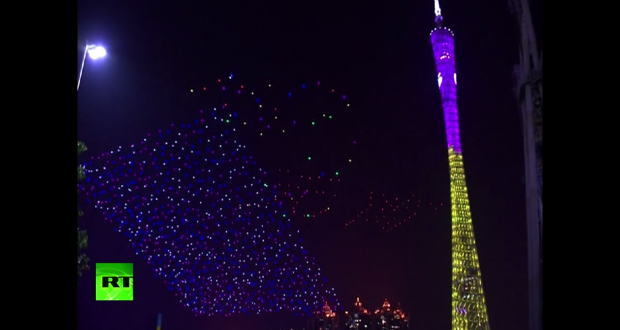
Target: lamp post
point(95, 52)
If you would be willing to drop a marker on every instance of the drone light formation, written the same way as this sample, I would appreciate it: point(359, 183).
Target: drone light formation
point(391, 213)
point(216, 227)
point(206, 218)
point(300, 190)
point(280, 117)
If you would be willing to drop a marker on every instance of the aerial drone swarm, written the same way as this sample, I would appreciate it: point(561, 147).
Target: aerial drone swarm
point(217, 227)
point(205, 216)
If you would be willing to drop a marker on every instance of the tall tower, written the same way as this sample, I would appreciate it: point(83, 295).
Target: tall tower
point(469, 311)
point(529, 89)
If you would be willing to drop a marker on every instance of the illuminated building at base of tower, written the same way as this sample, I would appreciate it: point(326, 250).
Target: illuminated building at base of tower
point(359, 318)
point(325, 319)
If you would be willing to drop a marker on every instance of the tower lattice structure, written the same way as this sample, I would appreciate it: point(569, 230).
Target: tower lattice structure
point(469, 311)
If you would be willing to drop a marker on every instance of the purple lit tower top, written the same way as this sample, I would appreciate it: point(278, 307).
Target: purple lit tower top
point(443, 49)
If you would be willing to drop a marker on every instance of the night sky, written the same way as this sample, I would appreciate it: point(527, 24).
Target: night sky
point(379, 55)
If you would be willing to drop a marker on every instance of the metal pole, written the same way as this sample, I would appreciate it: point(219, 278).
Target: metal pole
point(159, 321)
point(82, 67)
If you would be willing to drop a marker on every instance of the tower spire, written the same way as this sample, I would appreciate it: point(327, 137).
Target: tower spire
point(438, 17)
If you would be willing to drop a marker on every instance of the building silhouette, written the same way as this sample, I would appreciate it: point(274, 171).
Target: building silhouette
point(529, 88)
point(325, 319)
point(388, 319)
point(360, 318)
point(469, 311)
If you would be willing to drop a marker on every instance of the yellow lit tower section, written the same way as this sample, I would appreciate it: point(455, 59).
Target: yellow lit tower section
point(469, 311)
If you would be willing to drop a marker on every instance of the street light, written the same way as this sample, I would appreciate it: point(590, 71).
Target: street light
point(95, 52)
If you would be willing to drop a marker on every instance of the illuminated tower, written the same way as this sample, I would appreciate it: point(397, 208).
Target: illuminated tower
point(469, 311)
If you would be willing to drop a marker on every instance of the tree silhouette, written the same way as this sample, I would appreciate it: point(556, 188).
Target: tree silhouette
point(82, 242)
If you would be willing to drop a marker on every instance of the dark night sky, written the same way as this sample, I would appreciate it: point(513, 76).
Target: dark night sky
point(380, 54)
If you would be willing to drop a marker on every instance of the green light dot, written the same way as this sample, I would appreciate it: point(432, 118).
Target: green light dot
point(309, 158)
point(312, 123)
point(337, 173)
point(227, 121)
point(308, 215)
point(330, 117)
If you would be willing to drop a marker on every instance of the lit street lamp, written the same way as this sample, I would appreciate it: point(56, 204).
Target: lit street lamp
point(95, 52)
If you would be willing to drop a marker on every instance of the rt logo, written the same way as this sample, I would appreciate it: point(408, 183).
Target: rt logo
point(114, 281)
